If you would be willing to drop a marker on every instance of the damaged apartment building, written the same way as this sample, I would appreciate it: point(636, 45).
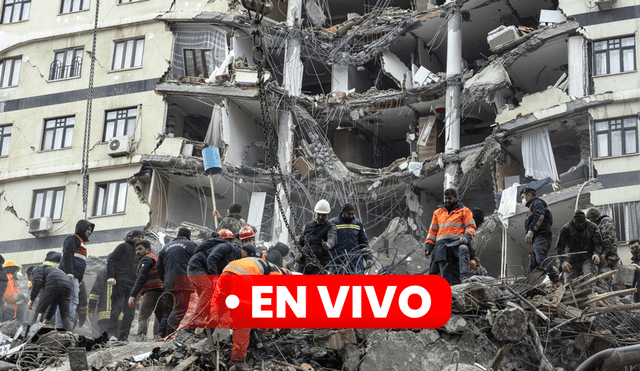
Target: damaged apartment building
point(107, 108)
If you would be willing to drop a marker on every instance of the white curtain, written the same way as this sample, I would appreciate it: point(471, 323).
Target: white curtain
point(537, 154)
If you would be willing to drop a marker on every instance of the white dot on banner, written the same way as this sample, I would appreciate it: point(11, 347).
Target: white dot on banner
point(232, 301)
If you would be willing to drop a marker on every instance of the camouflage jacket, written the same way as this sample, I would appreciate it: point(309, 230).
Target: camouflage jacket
point(232, 222)
point(609, 242)
point(574, 240)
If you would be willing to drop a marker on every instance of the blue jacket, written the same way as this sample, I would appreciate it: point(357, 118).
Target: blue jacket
point(220, 256)
point(173, 261)
point(314, 234)
point(352, 237)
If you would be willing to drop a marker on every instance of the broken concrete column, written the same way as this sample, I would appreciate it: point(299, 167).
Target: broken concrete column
point(510, 324)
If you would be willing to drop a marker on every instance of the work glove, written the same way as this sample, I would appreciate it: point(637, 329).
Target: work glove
point(566, 267)
point(326, 246)
point(595, 259)
point(111, 281)
point(70, 275)
point(297, 257)
point(131, 300)
point(528, 239)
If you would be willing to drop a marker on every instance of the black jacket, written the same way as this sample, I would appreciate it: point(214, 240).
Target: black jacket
point(351, 237)
point(173, 260)
point(198, 262)
point(574, 240)
point(146, 265)
point(46, 277)
point(220, 256)
point(122, 264)
point(74, 254)
point(4, 280)
point(539, 218)
point(100, 295)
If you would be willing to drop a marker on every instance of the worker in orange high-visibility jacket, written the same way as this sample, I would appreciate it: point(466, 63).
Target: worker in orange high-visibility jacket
point(12, 292)
point(243, 267)
point(452, 230)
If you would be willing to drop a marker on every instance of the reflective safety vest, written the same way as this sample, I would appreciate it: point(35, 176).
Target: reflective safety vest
point(11, 293)
point(251, 266)
point(153, 280)
point(450, 225)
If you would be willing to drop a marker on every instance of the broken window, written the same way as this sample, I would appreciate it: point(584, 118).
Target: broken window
point(626, 217)
point(58, 133)
point(616, 137)
point(127, 54)
point(48, 202)
point(614, 55)
point(9, 71)
point(15, 10)
point(195, 62)
point(119, 123)
point(5, 139)
point(70, 6)
point(110, 197)
point(201, 46)
point(66, 63)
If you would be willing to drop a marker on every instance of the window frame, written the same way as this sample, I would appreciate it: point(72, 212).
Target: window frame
point(129, 1)
point(101, 199)
point(5, 136)
point(120, 115)
point(66, 70)
point(615, 121)
point(607, 55)
point(21, 17)
point(13, 75)
point(55, 194)
point(84, 6)
point(57, 123)
point(126, 61)
point(196, 55)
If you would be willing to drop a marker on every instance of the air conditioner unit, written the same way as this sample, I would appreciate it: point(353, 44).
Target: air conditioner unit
point(40, 226)
point(119, 146)
point(605, 4)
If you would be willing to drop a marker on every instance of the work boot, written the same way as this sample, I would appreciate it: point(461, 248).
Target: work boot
point(239, 366)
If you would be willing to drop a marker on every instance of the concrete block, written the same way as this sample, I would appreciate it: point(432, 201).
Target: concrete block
point(510, 324)
point(502, 35)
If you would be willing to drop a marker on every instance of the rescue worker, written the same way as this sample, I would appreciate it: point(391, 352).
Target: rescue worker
point(100, 301)
point(320, 235)
point(74, 261)
point(351, 250)
point(538, 223)
point(4, 280)
point(451, 231)
point(609, 258)
point(149, 285)
point(233, 220)
point(12, 295)
point(122, 264)
point(247, 235)
point(56, 293)
point(579, 235)
point(173, 261)
point(247, 266)
point(634, 247)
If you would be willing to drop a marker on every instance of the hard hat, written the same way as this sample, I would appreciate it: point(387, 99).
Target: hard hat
point(322, 207)
point(225, 233)
point(246, 232)
point(11, 263)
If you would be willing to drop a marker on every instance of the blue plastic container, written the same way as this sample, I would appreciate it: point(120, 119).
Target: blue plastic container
point(212, 163)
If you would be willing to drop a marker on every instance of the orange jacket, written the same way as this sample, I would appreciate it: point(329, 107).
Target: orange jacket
point(251, 266)
point(451, 225)
point(12, 291)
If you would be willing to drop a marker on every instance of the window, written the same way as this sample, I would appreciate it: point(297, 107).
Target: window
point(119, 123)
point(70, 6)
point(615, 55)
point(5, 139)
point(195, 62)
point(616, 137)
point(15, 10)
point(58, 133)
point(111, 197)
point(626, 216)
point(48, 202)
point(9, 71)
point(127, 54)
point(66, 63)
point(128, 1)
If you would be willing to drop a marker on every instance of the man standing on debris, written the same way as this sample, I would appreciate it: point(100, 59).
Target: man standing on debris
point(12, 296)
point(320, 236)
point(579, 235)
point(452, 230)
point(233, 221)
point(538, 223)
point(74, 261)
point(149, 285)
point(173, 261)
point(121, 272)
point(634, 247)
point(351, 250)
point(609, 258)
point(56, 293)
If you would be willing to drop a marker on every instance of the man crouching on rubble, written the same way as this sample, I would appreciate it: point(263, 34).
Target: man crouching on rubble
point(56, 290)
point(579, 235)
point(451, 231)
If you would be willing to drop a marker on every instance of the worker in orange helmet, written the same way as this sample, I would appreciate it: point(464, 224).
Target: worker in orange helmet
point(242, 267)
point(12, 293)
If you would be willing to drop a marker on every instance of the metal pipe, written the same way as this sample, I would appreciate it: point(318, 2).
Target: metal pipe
point(612, 359)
